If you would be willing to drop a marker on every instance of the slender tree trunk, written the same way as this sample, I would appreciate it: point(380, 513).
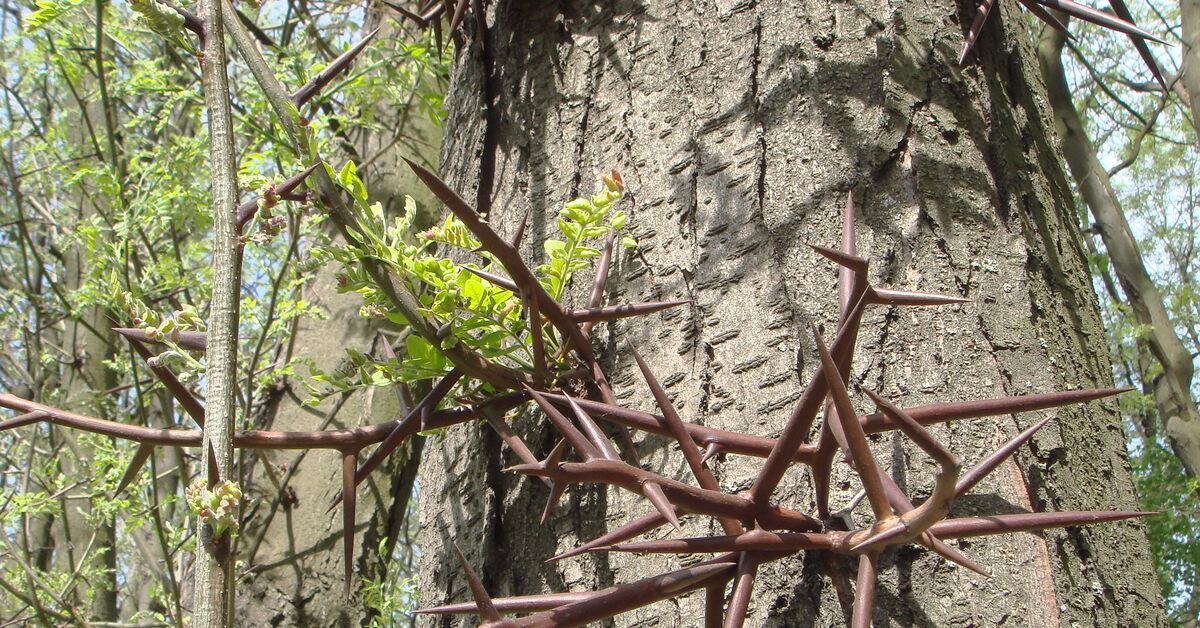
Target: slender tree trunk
point(1189, 18)
point(1173, 386)
point(739, 129)
point(214, 592)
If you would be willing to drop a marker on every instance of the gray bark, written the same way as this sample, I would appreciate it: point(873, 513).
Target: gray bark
point(739, 127)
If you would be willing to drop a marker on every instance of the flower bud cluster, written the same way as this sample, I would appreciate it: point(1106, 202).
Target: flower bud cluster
point(217, 508)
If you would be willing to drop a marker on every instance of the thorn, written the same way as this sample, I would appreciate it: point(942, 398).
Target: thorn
point(614, 312)
point(487, 610)
point(1106, 20)
point(519, 234)
point(864, 591)
point(915, 431)
point(989, 464)
point(349, 501)
point(1027, 522)
point(985, 9)
point(712, 450)
point(593, 431)
point(515, 604)
point(22, 420)
point(654, 493)
point(853, 262)
point(856, 439)
point(335, 67)
point(580, 442)
point(503, 282)
point(143, 453)
point(939, 547)
point(880, 537)
point(641, 525)
point(459, 12)
point(190, 340)
point(556, 492)
point(743, 586)
point(885, 296)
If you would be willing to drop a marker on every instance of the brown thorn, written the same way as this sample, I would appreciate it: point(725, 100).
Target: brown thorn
point(577, 440)
point(519, 234)
point(754, 540)
point(513, 441)
point(856, 439)
point(459, 11)
point(593, 431)
point(887, 296)
point(349, 501)
point(190, 340)
point(786, 448)
point(714, 605)
point(487, 610)
point(247, 210)
point(848, 260)
point(846, 275)
point(1026, 522)
point(515, 604)
point(143, 453)
point(1122, 12)
point(1042, 14)
point(864, 591)
point(989, 464)
point(687, 444)
point(540, 372)
point(939, 547)
point(407, 426)
point(981, 15)
point(1088, 14)
point(627, 310)
point(743, 587)
point(915, 431)
point(186, 399)
point(641, 525)
point(335, 67)
point(654, 493)
point(503, 282)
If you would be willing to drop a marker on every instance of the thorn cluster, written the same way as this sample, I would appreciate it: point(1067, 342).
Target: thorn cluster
point(756, 528)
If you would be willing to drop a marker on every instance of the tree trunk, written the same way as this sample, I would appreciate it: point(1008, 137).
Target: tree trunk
point(739, 127)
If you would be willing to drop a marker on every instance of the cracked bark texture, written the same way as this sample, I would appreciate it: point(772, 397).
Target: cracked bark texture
point(739, 127)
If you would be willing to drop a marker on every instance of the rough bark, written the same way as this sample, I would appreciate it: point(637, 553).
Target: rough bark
point(1172, 387)
point(739, 127)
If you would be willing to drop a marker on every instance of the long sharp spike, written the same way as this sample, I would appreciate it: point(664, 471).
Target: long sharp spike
point(983, 9)
point(593, 431)
point(864, 591)
point(886, 296)
point(989, 464)
point(349, 501)
point(335, 67)
point(1026, 522)
point(628, 310)
point(143, 453)
point(1094, 16)
point(939, 547)
point(487, 610)
point(580, 442)
point(641, 525)
point(860, 451)
point(654, 493)
point(743, 586)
